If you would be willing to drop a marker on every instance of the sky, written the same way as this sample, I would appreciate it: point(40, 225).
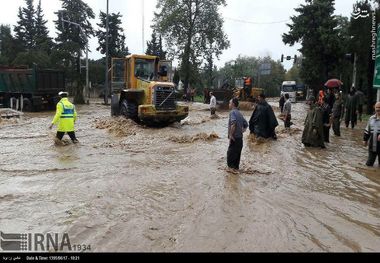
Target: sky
point(254, 27)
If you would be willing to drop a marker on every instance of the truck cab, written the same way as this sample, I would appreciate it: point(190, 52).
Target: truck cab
point(142, 91)
point(290, 87)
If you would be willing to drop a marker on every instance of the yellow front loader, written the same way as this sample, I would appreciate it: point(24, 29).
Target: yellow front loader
point(143, 92)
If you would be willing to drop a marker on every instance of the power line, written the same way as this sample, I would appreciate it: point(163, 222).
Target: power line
point(257, 23)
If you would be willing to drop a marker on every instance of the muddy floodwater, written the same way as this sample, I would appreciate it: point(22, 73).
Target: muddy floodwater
point(129, 188)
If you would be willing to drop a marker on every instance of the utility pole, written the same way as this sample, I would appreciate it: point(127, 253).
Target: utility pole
point(143, 27)
point(107, 59)
point(86, 39)
point(355, 71)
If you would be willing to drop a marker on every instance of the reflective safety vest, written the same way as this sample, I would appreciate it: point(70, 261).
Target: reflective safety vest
point(321, 97)
point(65, 116)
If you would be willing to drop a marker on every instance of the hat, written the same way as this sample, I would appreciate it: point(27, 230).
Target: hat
point(63, 93)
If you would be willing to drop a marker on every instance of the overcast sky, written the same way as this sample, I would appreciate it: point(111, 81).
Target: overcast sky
point(249, 24)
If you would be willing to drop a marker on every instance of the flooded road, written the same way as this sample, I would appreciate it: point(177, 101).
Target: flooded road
point(128, 188)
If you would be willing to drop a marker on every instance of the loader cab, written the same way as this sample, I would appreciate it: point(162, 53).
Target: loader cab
point(145, 69)
point(140, 67)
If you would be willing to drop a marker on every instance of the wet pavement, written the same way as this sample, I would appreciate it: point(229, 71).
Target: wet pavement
point(131, 188)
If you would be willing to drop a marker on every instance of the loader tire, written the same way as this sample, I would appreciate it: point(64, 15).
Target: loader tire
point(129, 110)
point(132, 110)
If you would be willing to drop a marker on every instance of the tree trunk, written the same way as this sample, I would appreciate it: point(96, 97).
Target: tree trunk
point(186, 64)
point(78, 96)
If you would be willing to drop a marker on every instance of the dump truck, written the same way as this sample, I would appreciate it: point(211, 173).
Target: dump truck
point(26, 89)
point(142, 91)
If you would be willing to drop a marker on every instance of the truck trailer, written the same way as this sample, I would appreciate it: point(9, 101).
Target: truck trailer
point(28, 89)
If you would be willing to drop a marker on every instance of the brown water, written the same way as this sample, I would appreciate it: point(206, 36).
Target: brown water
point(149, 190)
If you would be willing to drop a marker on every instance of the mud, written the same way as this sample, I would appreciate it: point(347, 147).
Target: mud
point(192, 139)
point(129, 188)
point(119, 126)
point(10, 121)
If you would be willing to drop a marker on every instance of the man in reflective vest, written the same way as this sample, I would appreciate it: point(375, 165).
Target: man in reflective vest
point(65, 116)
point(247, 87)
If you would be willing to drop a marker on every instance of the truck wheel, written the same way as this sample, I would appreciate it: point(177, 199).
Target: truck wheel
point(27, 105)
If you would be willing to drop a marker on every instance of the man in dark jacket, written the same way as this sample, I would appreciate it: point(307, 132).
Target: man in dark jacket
point(282, 103)
point(330, 98)
point(237, 125)
point(337, 113)
point(263, 121)
point(351, 109)
point(313, 132)
point(360, 99)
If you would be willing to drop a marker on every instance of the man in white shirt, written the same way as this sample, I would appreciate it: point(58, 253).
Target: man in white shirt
point(287, 111)
point(212, 104)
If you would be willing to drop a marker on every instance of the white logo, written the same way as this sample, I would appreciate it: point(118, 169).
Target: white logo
point(359, 13)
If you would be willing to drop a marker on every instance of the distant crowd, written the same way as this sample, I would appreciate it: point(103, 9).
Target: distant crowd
point(326, 111)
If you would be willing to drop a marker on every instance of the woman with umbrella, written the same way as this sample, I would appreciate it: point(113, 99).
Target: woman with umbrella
point(333, 86)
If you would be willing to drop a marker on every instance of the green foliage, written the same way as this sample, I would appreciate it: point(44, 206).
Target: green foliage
point(26, 26)
point(78, 12)
point(316, 28)
point(249, 67)
point(42, 39)
point(293, 74)
point(361, 44)
point(155, 48)
point(97, 69)
point(71, 41)
point(116, 45)
point(8, 48)
point(30, 58)
point(193, 31)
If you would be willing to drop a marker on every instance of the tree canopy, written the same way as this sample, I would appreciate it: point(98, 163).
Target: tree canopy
point(315, 28)
point(192, 30)
point(155, 47)
point(71, 41)
point(116, 45)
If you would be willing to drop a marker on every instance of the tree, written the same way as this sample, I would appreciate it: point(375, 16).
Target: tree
point(33, 57)
point(361, 45)
point(97, 68)
point(26, 27)
point(316, 29)
point(249, 67)
point(116, 45)
point(191, 29)
point(155, 48)
point(42, 39)
point(8, 48)
point(293, 74)
point(70, 40)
